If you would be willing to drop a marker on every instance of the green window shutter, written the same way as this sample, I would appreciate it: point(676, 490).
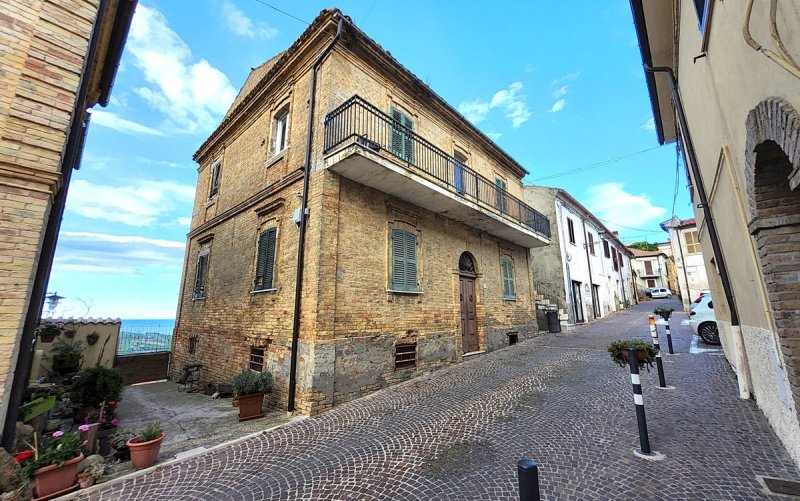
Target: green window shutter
point(404, 260)
point(411, 261)
point(265, 264)
point(408, 152)
point(501, 197)
point(398, 148)
point(508, 279)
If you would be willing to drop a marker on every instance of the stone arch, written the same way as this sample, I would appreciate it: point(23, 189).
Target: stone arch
point(466, 263)
point(772, 166)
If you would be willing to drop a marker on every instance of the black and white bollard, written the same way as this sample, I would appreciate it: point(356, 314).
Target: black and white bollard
point(669, 336)
point(644, 441)
point(659, 363)
point(528, 474)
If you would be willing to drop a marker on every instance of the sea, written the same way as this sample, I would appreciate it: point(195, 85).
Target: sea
point(145, 335)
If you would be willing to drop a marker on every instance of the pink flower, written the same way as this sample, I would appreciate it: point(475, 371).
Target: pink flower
point(115, 422)
point(83, 427)
point(57, 434)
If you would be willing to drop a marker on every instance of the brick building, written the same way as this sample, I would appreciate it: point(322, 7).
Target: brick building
point(57, 58)
point(412, 248)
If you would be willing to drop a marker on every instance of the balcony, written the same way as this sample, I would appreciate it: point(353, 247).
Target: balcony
point(367, 146)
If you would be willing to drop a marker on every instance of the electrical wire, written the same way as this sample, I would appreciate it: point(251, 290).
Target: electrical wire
point(598, 164)
point(677, 175)
point(282, 11)
point(368, 13)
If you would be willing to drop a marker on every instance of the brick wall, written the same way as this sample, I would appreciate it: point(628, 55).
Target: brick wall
point(42, 50)
point(142, 367)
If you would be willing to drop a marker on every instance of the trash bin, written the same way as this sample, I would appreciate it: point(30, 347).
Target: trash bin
point(553, 323)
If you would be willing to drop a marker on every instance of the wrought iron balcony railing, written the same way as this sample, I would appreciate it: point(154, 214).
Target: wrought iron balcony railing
point(361, 122)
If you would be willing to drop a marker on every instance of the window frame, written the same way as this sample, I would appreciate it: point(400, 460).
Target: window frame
point(571, 230)
point(502, 190)
point(252, 359)
point(695, 244)
point(201, 288)
point(509, 279)
point(215, 179)
point(401, 284)
point(280, 130)
point(264, 234)
point(590, 242)
point(606, 249)
point(404, 134)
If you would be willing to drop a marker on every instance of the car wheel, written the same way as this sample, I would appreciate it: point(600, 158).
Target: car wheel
point(669, 296)
point(709, 332)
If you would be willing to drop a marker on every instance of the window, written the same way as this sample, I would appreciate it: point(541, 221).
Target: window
point(458, 171)
point(501, 194)
point(702, 7)
point(265, 260)
point(509, 290)
point(651, 283)
point(200, 277)
point(606, 251)
point(402, 136)
point(216, 174)
point(280, 130)
point(571, 231)
point(692, 242)
point(615, 258)
point(591, 242)
point(405, 355)
point(404, 260)
point(192, 345)
point(648, 268)
point(257, 358)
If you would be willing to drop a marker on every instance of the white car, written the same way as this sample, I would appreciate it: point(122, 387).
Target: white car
point(660, 293)
point(703, 321)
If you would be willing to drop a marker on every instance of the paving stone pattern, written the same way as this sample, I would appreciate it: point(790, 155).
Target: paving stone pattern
point(458, 433)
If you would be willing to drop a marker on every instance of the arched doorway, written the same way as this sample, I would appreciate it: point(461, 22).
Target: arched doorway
point(773, 175)
point(467, 297)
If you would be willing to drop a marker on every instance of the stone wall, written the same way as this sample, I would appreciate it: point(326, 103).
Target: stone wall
point(102, 352)
point(42, 52)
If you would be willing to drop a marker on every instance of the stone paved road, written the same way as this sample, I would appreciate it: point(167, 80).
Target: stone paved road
point(458, 433)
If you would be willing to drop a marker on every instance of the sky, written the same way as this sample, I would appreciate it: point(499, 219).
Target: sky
point(558, 85)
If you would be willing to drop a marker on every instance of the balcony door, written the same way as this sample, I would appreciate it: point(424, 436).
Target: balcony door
point(402, 136)
point(468, 304)
point(577, 302)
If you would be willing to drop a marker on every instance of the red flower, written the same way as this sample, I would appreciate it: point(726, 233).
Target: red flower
point(112, 404)
point(23, 456)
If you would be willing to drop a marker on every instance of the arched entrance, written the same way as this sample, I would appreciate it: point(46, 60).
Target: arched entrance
point(773, 176)
point(469, 318)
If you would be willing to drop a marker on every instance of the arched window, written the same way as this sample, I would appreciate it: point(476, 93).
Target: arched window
point(466, 263)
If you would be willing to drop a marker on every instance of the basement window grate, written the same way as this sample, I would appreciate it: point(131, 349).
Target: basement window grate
point(513, 337)
point(257, 358)
point(405, 355)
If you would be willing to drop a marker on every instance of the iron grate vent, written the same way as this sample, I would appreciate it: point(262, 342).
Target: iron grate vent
point(405, 355)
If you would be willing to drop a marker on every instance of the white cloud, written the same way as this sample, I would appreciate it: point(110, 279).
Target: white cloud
point(240, 24)
point(557, 106)
point(566, 78)
point(494, 136)
point(561, 91)
point(649, 124)
point(88, 252)
point(610, 202)
point(184, 221)
point(193, 95)
point(510, 100)
point(138, 204)
point(119, 124)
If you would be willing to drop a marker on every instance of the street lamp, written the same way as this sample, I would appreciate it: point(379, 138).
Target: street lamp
point(52, 301)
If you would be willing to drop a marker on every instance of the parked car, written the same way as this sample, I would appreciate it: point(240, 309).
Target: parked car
point(660, 293)
point(699, 298)
point(703, 321)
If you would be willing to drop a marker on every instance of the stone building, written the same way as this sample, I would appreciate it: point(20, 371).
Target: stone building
point(686, 251)
point(57, 58)
point(735, 109)
point(402, 221)
point(652, 269)
point(586, 269)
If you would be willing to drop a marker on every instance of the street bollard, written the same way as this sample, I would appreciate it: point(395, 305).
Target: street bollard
point(528, 474)
point(669, 337)
point(644, 440)
point(659, 364)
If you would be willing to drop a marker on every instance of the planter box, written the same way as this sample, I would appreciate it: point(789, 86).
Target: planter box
point(250, 406)
point(37, 407)
point(57, 479)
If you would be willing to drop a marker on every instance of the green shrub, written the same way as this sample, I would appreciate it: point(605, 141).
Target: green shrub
point(615, 350)
point(663, 312)
point(95, 385)
point(248, 381)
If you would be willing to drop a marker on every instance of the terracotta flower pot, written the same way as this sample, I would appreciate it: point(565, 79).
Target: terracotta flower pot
point(641, 355)
point(250, 406)
point(47, 338)
point(52, 479)
point(144, 454)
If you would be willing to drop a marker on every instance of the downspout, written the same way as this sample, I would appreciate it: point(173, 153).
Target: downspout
point(589, 265)
point(738, 343)
point(72, 154)
point(298, 289)
point(683, 265)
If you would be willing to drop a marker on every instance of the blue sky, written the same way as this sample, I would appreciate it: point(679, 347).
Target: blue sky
point(558, 85)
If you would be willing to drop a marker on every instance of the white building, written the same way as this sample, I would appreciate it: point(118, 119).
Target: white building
point(685, 249)
point(652, 269)
point(586, 269)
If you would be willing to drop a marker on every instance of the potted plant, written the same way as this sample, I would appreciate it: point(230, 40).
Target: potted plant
point(107, 423)
point(144, 448)
point(249, 388)
point(53, 466)
point(92, 338)
point(92, 387)
point(664, 312)
point(69, 331)
point(48, 331)
point(66, 356)
point(645, 352)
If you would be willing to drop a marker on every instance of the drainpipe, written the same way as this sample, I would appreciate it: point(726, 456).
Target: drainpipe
point(722, 268)
point(683, 265)
point(304, 217)
point(589, 265)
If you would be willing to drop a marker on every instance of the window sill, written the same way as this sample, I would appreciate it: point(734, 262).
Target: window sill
point(211, 201)
point(263, 291)
point(393, 291)
point(510, 298)
point(275, 158)
point(200, 298)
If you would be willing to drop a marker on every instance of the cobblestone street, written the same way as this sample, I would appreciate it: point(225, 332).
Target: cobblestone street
point(458, 433)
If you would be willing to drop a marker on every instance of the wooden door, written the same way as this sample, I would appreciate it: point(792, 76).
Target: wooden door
point(469, 322)
point(577, 302)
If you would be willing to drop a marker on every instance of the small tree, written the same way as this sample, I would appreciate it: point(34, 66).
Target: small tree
point(643, 246)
